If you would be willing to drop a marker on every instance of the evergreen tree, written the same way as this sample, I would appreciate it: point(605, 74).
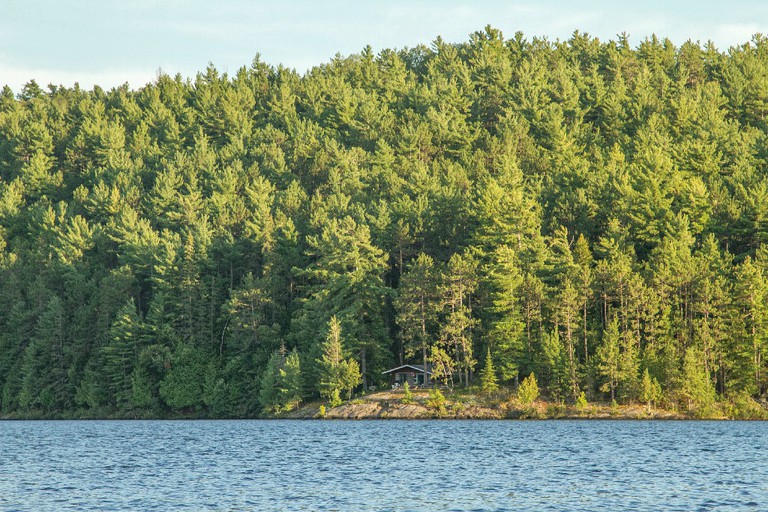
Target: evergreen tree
point(609, 357)
point(505, 336)
point(528, 391)
point(44, 379)
point(651, 390)
point(337, 374)
point(268, 389)
point(554, 365)
point(347, 281)
point(182, 386)
point(517, 196)
point(417, 307)
point(488, 382)
point(291, 389)
point(120, 355)
point(751, 294)
point(458, 323)
point(697, 389)
point(583, 280)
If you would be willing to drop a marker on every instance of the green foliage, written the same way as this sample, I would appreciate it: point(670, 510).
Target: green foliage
point(43, 370)
point(581, 208)
point(744, 407)
point(442, 366)
point(528, 391)
point(437, 402)
point(506, 331)
point(337, 374)
point(407, 394)
point(417, 305)
point(581, 402)
point(697, 390)
point(120, 355)
point(609, 359)
point(553, 366)
point(268, 389)
point(181, 388)
point(281, 386)
point(651, 390)
point(488, 382)
point(215, 392)
point(334, 400)
point(290, 389)
point(346, 281)
point(460, 281)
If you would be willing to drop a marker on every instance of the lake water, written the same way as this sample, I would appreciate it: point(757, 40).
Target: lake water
point(383, 465)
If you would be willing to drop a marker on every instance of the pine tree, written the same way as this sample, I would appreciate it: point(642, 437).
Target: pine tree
point(650, 390)
point(609, 359)
point(417, 307)
point(568, 317)
point(44, 378)
point(505, 336)
point(407, 394)
point(442, 366)
point(751, 298)
point(290, 382)
point(158, 245)
point(268, 388)
point(121, 354)
point(458, 322)
point(583, 281)
point(182, 387)
point(337, 374)
point(347, 282)
point(488, 382)
point(528, 391)
point(553, 365)
point(437, 401)
point(697, 389)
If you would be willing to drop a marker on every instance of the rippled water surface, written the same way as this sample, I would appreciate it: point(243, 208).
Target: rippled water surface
point(383, 465)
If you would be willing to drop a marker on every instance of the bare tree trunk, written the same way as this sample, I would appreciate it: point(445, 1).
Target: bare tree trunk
point(571, 356)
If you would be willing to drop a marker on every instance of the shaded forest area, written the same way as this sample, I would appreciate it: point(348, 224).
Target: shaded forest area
point(589, 212)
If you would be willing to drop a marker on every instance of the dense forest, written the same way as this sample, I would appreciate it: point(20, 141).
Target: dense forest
point(586, 211)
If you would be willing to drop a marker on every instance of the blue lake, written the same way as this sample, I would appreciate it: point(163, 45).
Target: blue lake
point(383, 465)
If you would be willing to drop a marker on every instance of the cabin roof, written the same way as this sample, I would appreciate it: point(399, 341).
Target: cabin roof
point(408, 368)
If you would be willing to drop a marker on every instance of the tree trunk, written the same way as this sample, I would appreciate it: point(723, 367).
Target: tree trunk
point(586, 351)
point(571, 358)
point(362, 369)
point(424, 338)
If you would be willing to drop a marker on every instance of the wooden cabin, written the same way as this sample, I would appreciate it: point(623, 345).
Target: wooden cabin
point(413, 374)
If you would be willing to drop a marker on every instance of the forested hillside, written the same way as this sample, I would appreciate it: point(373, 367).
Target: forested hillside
point(594, 213)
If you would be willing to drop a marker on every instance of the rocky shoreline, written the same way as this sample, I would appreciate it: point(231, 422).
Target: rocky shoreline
point(391, 405)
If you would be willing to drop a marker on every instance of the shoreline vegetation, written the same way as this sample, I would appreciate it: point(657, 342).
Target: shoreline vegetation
point(473, 404)
point(582, 217)
point(391, 405)
point(465, 404)
point(468, 407)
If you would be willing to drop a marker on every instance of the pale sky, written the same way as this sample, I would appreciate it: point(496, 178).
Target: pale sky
point(108, 43)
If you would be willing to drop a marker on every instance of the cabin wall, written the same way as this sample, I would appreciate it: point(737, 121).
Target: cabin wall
point(413, 378)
